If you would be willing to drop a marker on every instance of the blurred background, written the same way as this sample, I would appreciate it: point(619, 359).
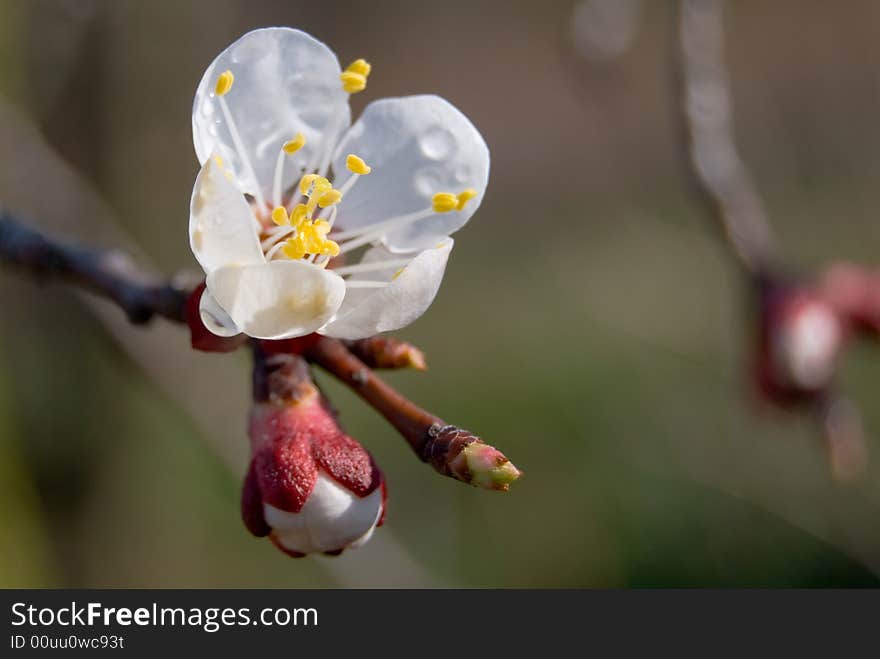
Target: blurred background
point(605, 356)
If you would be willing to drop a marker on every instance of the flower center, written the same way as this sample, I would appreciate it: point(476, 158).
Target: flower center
point(302, 224)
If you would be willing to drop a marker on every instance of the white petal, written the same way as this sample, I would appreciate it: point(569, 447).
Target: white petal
point(214, 318)
point(417, 146)
point(221, 224)
point(277, 300)
point(285, 82)
point(333, 518)
point(407, 296)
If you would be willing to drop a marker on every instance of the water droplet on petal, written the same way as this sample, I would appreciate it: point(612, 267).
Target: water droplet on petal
point(428, 181)
point(437, 143)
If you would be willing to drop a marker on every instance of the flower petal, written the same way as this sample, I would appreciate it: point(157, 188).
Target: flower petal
point(332, 519)
point(215, 318)
point(407, 296)
point(285, 82)
point(221, 224)
point(277, 300)
point(417, 146)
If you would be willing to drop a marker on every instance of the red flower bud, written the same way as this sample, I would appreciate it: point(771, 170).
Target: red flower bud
point(310, 487)
point(800, 339)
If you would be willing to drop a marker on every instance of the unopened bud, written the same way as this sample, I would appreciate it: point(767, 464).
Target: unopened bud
point(801, 338)
point(310, 487)
point(388, 352)
point(806, 343)
point(458, 453)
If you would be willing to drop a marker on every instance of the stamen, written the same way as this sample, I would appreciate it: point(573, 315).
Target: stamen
point(464, 197)
point(330, 198)
point(370, 267)
point(354, 78)
point(224, 84)
point(353, 82)
point(377, 230)
point(276, 235)
point(331, 139)
point(332, 218)
point(290, 147)
point(310, 167)
point(305, 183)
point(279, 216)
point(298, 214)
point(443, 202)
point(361, 66)
point(358, 168)
point(294, 145)
point(295, 248)
point(275, 249)
point(384, 225)
point(319, 188)
point(357, 165)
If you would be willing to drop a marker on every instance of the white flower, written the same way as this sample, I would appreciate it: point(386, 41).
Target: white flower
point(271, 121)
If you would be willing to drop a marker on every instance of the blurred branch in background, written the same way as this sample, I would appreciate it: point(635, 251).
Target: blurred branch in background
point(109, 273)
point(801, 330)
point(706, 110)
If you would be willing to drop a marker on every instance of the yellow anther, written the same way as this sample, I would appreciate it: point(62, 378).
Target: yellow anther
point(353, 82)
point(361, 67)
point(464, 197)
point(330, 248)
point(305, 183)
point(298, 214)
point(443, 202)
point(294, 145)
point(321, 227)
point(279, 216)
point(295, 248)
point(224, 83)
point(357, 165)
point(218, 160)
point(330, 198)
point(320, 187)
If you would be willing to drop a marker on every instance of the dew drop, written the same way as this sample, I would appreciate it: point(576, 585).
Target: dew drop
point(463, 174)
point(437, 143)
point(428, 181)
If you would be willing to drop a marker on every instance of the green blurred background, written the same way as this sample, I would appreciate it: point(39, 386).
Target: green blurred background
point(604, 354)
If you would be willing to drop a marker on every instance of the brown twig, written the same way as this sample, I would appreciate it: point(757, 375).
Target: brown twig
point(706, 112)
point(450, 450)
point(109, 273)
point(408, 419)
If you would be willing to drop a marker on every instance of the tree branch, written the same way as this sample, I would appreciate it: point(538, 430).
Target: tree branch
point(713, 163)
point(450, 450)
point(109, 273)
